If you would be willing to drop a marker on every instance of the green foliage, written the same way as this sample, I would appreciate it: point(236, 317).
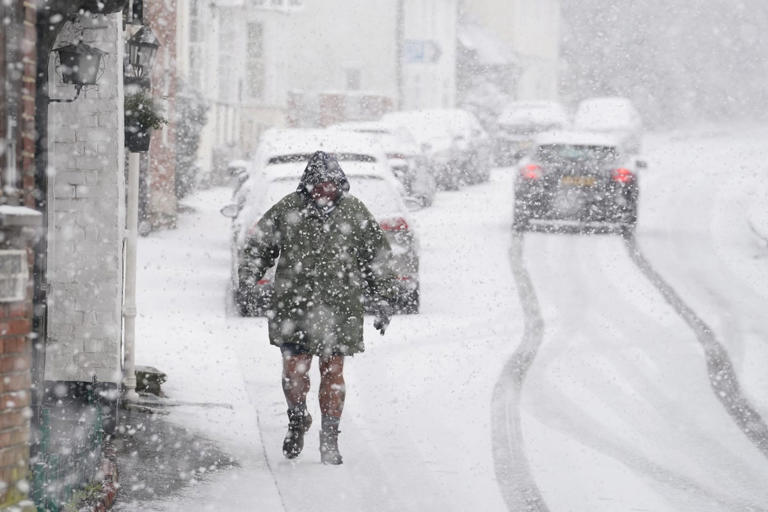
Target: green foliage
point(142, 112)
point(191, 116)
point(83, 497)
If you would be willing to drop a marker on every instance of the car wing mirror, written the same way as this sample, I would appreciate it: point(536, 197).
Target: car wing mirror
point(413, 204)
point(230, 211)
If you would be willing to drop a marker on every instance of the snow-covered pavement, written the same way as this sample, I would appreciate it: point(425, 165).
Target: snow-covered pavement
point(616, 410)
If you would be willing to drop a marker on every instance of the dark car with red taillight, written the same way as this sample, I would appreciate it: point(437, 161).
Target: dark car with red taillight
point(577, 180)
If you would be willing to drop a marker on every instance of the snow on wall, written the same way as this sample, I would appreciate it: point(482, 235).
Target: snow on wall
point(86, 214)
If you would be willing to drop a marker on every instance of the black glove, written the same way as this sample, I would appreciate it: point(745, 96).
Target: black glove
point(383, 315)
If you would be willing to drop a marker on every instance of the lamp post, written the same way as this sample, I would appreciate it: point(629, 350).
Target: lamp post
point(142, 47)
point(79, 64)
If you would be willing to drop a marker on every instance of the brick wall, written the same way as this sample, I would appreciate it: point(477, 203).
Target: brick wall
point(15, 362)
point(161, 16)
point(86, 214)
point(17, 234)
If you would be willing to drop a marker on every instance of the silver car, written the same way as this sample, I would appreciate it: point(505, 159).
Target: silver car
point(405, 159)
point(458, 148)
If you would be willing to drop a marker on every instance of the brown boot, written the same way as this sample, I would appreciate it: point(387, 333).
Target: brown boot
point(299, 422)
point(329, 441)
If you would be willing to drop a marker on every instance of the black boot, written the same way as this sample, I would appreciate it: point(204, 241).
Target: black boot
point(299, 422)
point(329, 441)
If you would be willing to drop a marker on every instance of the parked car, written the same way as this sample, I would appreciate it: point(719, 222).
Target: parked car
point(281, 149)
point(457, 147)
point(373, 185)
point(520, 122)
point(237, 172)
point(579, 180)
point(613, 115)
point(405, 159)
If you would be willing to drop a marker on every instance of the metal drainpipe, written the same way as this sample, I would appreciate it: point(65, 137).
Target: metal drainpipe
point(129, 308)
point(399, 43)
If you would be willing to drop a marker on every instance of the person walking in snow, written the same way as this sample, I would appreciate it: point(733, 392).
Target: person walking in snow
point(330, 252)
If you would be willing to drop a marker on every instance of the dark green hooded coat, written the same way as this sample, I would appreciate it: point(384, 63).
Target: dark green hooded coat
point(326, 261)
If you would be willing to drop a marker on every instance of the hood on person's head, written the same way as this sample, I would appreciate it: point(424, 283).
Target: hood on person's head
point(323, 168)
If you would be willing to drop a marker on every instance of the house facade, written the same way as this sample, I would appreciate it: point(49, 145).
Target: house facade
point(305, 63)
point(86, 212)
point(429, 54)
point(20, 224)
point(159, 167)
point(530, 32)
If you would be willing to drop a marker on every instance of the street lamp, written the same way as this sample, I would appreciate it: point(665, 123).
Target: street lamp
point(79, 64)
point(142, 47)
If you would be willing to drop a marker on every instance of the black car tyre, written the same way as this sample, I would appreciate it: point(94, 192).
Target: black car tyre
point(519, 219)
point(410, 303)
point(242, 301)
point(630, 219)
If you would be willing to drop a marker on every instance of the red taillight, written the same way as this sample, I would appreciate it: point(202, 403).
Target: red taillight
point(623, 175)
point(262, 282)
point(531, 172)
point(398, 224)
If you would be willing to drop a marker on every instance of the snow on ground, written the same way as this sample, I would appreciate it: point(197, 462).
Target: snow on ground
point(709, 190)
point(416, 428)
point(617, 412)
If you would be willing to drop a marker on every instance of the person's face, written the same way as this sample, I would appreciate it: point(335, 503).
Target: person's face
point(324, 193)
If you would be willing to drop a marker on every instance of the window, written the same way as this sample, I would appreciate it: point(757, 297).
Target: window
point(353, 79)
point(137, 15)
point(255, 60)
point(13, 276)
point(279, 5)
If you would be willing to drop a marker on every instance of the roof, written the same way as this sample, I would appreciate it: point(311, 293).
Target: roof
point(294, 171)
point(606, 112)
point(577, 138)
point(541, 112)
point(277, 142)
point(490, 50)
point(363, 126)
point(393, 138)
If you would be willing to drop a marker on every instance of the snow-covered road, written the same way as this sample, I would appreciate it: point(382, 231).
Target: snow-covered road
point(615, 412)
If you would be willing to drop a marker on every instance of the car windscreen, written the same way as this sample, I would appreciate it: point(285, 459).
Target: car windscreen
point(565, 153)
point(377, 194)
point(304, 157)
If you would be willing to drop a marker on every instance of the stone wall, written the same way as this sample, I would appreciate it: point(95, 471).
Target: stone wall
point(86, 215)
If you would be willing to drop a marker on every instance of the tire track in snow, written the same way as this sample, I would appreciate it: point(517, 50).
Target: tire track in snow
point(722, 376)
point(513, 474)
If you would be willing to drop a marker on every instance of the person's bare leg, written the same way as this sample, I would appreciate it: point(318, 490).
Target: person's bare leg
point(296, 378)
point(295, 388)
point(332, 388)
point(332, 392)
